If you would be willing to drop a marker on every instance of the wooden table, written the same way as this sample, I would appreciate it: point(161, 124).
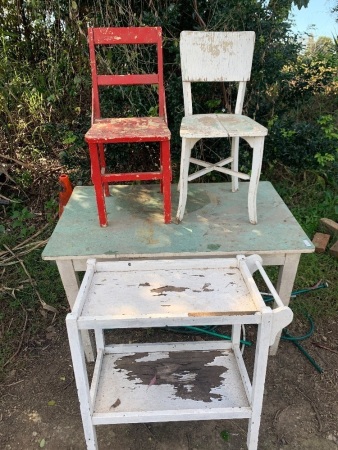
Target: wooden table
point(215, 224)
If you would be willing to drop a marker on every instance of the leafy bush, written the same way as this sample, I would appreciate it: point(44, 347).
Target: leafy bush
point(45, 85)
point(303, 145)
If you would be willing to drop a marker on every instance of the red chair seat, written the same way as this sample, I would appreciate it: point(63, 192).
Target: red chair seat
point(130, 129)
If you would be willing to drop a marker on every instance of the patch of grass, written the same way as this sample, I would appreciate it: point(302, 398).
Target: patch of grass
point(309, 198)
point(22, 317)
point(321, 303)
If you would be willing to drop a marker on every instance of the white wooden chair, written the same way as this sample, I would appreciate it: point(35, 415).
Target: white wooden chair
point(221, 57)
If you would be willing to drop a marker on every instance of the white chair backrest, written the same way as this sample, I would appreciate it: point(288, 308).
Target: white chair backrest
point(216, 56)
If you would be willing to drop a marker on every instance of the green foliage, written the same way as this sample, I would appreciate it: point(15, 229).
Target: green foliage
point(319, 304)
point(328, 159)
point(303, 135)
point(303, 145)
point(328, 126)
point(22, 319)
point(309, 199)
point(20, 217)
point(51, 207)
point(45, 87)
point(225, 435)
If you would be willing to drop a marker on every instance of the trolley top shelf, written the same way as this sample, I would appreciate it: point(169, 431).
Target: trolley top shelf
point(168, 292)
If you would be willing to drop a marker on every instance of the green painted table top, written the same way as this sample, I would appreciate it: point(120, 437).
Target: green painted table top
point(215, 224)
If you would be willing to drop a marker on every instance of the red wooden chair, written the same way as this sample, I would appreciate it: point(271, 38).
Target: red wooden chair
point(105, 131)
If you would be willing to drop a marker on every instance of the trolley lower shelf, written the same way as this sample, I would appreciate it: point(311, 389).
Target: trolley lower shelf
point(170, 382)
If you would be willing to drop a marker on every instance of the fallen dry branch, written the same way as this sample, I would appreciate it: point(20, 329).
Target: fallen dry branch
point(5, 198)
point(316, 344)
point(20, 163)
point(13, 259)
point(43, 303)
point(314, 407)
point(21, 339)
point(31, 237)
point(24, 243)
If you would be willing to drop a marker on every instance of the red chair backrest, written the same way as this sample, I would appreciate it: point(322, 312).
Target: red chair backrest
point(122, 36)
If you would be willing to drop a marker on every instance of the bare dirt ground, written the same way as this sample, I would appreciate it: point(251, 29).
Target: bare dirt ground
point(39, 406)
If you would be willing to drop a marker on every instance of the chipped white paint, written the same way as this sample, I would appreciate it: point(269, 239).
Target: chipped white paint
point(218, 56)
point(214, 56)
point(178, 380)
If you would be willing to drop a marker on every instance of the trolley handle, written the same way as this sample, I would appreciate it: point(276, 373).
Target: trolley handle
point(270, 286)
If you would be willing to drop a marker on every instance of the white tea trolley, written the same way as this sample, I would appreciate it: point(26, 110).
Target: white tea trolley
point(175, 381)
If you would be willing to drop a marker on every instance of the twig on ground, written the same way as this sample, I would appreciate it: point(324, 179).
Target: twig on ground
point(6, 199)
point(68, 384)
point(8, 260)
point(25, 242)
point(149, 430)
point(16, 382)
point(10, 324)
point(314, 407)
point(278, 414)
point(188, 439)
point(316, 344)
point(238, 426)
point(43, 303)
point(75, 413)
point(21, 340)
point(21, 163)
point(33, 236)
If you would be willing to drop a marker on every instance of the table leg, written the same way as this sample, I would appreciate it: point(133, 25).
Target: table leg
point(70, 281)
point(286, 278)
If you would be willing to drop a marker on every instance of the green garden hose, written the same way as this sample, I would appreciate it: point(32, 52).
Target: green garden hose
point(211, 330)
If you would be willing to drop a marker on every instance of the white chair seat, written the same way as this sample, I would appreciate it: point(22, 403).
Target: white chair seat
point(220, 125)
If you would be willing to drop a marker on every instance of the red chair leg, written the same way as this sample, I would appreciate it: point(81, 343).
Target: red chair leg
point(97, 181)
point(166, 180)
point(103, 168)
point(161, 166)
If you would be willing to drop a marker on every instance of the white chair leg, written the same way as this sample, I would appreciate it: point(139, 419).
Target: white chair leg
point(257, 145)
point(187, 145)
point(234, 164)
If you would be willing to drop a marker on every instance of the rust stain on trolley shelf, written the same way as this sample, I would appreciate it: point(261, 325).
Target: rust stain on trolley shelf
point(192, 378)
point(163, 289)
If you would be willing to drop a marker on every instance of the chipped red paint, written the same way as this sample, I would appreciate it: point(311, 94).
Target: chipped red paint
point(131, 129)
point(123, 80)
point(136, 129)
